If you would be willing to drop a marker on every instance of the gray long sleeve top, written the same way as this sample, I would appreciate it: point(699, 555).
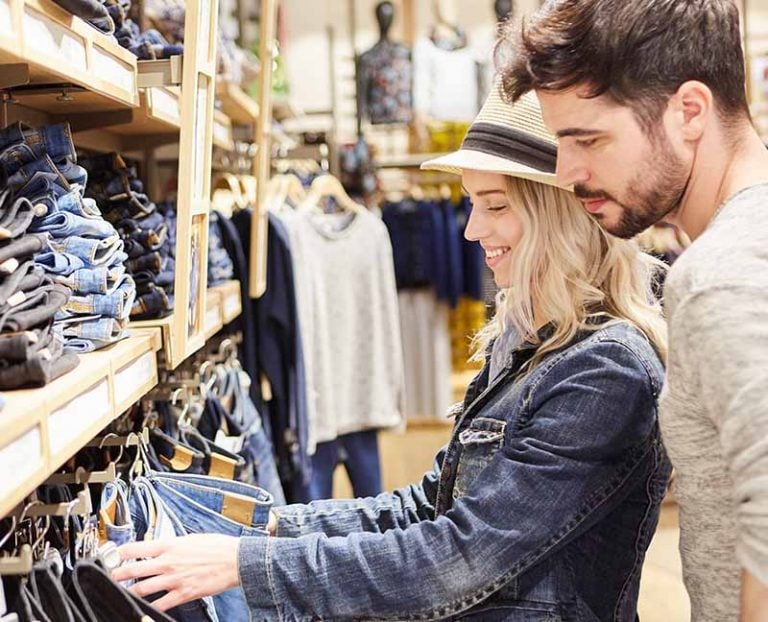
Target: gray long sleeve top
point(714, 409)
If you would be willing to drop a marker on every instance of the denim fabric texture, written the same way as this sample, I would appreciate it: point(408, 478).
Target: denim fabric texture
point(199, 503)
point(80, 248)
point(15, 215)
point(147, 232)
point(240, 418)
point(220, 267)
point(153, 520)
point(573, 449)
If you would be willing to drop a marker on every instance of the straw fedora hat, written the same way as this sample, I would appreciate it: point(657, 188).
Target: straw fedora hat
point(509, 139)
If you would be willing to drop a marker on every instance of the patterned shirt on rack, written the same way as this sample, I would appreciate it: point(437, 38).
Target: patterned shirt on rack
point(385, 81)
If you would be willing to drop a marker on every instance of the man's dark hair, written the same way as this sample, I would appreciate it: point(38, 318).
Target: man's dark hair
point(637, 51)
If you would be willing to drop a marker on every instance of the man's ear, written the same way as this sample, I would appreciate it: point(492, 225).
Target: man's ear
point(694, 106)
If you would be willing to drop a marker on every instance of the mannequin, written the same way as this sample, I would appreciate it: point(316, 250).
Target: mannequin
point(446, 34)
point(504, 10)
point(384, 76)
point(385, 15)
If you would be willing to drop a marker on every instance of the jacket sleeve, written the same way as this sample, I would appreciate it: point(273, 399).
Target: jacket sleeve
point(585, 434)
point(390, 510)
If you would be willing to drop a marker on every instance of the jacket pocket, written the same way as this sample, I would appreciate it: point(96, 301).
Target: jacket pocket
point(479, 444)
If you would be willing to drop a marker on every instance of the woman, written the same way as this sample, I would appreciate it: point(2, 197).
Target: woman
point(542, 505)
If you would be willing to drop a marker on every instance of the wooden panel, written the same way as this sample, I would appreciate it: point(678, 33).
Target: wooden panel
point(60, 48)
point(50, 424)
point(261, 167)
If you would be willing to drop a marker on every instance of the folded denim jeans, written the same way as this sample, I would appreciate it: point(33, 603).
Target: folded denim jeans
point(21, 144)
point(151, 262)
point(93, 252)
point(37, 371)
point(15, 215)
point(101, 330)
point(74, 203)
point(65, 168)
point(152, 305)
point(116, 305)
point(40, 306)
point(12, 252)
point(60, 264)
point(65, 224)
point(20, 347)
point(100, 280)
point(44, 191)
point(13, 284)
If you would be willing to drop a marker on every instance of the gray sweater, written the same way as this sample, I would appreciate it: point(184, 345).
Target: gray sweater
point(714, 408)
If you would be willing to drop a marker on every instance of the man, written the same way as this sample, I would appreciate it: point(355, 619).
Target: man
point(648, 102)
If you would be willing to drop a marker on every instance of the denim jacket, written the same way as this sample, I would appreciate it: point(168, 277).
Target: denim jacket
point(541, 507)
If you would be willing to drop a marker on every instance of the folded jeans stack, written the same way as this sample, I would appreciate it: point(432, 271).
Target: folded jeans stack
point(112, 18)
point(220, 267)
point(82, 251)
point(31, 351)
point(147, 45)
point(148, 234)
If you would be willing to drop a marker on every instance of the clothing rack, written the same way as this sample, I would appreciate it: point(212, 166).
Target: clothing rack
point(143, 108)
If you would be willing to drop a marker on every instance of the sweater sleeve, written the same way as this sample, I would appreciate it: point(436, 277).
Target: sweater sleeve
point(724, 332)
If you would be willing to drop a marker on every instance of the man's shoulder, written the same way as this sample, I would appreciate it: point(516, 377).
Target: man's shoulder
point(732, 252)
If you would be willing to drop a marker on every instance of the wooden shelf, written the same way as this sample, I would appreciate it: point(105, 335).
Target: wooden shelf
point(59, 48)
point(223, 304)
point(236, 104)
point(222, 131)
point(43, 428)
point(231, 302)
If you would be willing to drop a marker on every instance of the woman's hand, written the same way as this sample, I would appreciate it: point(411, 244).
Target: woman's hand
point(188, 568)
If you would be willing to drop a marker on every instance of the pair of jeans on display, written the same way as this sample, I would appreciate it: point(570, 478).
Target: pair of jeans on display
point(165, 505)
point(148, 45)
point(31, 351)
point(220, 267)
point(83, 251)
point(91, 596)
point(146, 232)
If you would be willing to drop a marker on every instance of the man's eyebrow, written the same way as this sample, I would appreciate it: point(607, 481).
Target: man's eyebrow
point(577, 131)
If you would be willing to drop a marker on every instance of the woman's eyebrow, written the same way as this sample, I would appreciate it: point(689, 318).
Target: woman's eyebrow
point(483, 193)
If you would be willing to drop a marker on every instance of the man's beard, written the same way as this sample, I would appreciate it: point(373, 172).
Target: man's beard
point(656, 191)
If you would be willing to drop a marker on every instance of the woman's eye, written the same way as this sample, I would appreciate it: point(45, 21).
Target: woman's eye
point(497, 208)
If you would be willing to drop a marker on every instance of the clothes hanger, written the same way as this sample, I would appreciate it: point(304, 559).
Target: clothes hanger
point(329, 186)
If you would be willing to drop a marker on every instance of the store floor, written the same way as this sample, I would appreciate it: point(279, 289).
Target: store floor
point(405, 457)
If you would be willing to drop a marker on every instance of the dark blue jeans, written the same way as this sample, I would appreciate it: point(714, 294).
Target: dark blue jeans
point(359, 452)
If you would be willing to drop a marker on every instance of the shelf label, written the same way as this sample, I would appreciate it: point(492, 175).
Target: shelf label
point(232, 307)
point(107, 67)
point(6, 25)
point(19, 460)
point(134, 376)
point(77, 417)
point(165, 103)
point(211, 320)
point(54, 40)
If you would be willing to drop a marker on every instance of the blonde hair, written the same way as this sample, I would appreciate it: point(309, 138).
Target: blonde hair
point(568, 270)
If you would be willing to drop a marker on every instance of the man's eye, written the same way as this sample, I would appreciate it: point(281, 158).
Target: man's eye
point(589, 142)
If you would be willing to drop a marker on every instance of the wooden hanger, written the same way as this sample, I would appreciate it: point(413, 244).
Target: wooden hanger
point(329, 186)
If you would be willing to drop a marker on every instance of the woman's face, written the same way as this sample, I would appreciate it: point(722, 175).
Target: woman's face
point(492, 222)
